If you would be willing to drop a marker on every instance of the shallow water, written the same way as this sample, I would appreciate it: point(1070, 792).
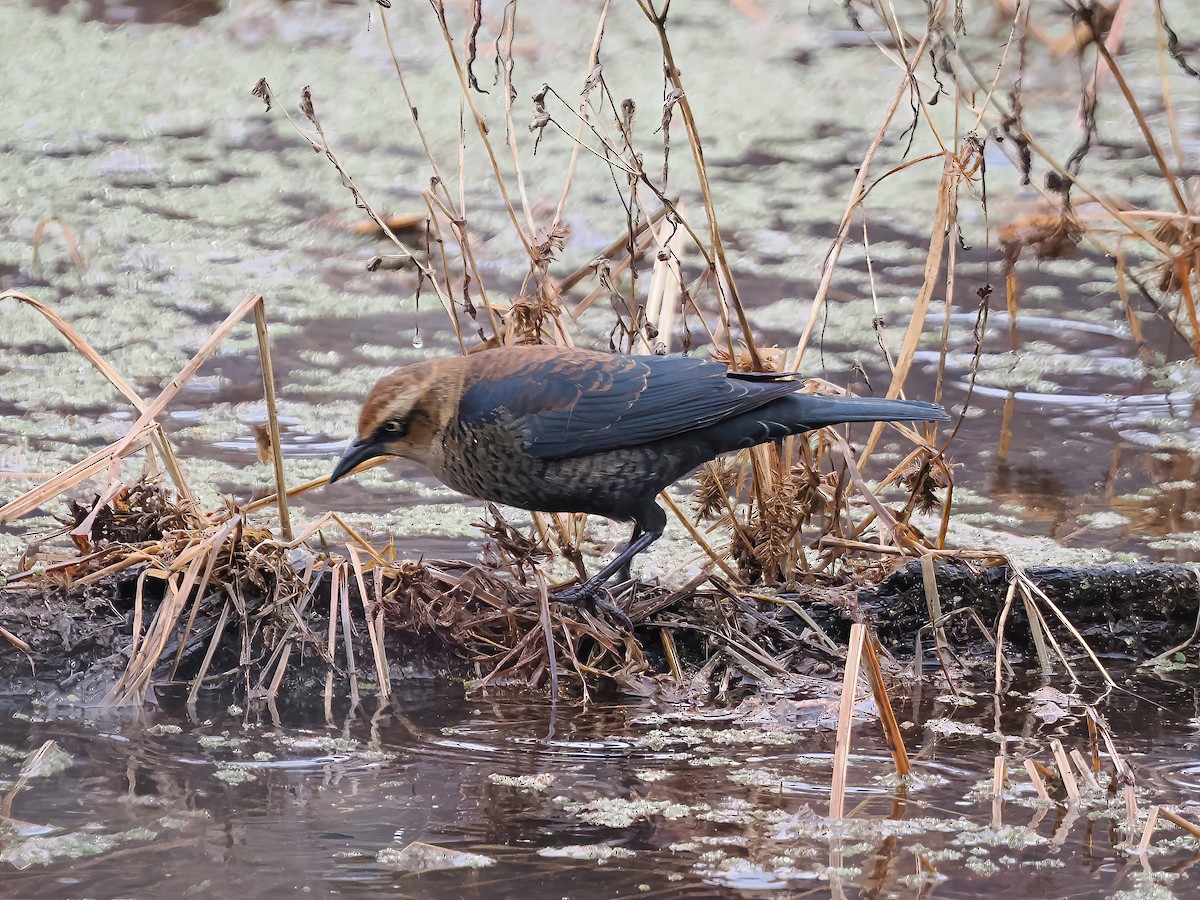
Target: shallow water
point(611, 800)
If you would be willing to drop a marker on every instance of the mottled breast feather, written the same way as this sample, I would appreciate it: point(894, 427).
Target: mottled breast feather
point(569, 403)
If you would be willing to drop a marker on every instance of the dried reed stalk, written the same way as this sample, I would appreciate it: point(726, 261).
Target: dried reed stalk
point(1064, 770)
point(268, 370)
point(887, 717)
point(841, 753)
point(999, 769)
point(76, 340)
point(1039, 784)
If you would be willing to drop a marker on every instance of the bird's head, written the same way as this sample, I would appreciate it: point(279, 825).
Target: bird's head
point(404, 415)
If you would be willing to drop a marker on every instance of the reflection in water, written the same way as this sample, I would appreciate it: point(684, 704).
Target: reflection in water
point(580, 801)
point(147, 12)
point(1147, 498)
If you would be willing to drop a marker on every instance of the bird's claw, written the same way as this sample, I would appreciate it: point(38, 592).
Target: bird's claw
point(593, 600)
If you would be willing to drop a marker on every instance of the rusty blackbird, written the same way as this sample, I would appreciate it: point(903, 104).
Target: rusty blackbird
point(558, 429)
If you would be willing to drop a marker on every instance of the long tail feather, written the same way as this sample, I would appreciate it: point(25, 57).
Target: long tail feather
point(816, 411)
point(797, 413)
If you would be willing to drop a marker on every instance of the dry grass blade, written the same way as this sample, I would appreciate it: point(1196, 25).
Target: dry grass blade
point(841, 753)
point(135, 681)
point(89, 353)
point(29, 769)
point(139, 434)
point(547, 624)
point(933, 601)
point(336, 574)
point(721, 269)
point(280, 669)
point(343, 600)
point(206, 351)
point(1028, 585)
point(216, 545)
point(857, 194)
point(887, 717)
point(1039, 783)
point(1176, 819)
point(382, 670)
point(1148, 832)
point(665, 293)
point(947, 198)
point(136, 440)
point(802, 614)
point(1084, 771)
point(703, 544)
point(312, 484)
point(1004, 613)
point(481, 126)
point(21, 645)
point(268, 370)
point(214, 641)
point(68, 234)
point(84, 528)
point(139, 606)
point(1034, 618)
point(1064, 771)
point(999, 772)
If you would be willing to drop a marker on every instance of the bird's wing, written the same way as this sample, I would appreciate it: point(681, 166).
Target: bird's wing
point(570, 404)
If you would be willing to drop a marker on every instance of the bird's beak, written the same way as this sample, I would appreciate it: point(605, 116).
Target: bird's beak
point(358, 452)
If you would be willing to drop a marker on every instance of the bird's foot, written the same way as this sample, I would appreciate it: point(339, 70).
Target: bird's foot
point(594, 598)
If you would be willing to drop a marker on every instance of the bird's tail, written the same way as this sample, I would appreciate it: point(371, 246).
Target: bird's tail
point(816, 411)
point(798, 413)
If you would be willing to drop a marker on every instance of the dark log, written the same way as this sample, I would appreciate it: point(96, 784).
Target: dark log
point(1141, 610)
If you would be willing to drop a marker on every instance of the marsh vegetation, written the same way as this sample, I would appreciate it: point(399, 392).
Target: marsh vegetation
point(993, 209)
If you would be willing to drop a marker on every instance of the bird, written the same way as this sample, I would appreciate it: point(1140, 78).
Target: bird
point(568, 430)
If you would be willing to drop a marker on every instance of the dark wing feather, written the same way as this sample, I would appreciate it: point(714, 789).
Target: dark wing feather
point(578, 402)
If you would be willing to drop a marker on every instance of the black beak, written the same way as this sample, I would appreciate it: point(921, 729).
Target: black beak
point(359, 451)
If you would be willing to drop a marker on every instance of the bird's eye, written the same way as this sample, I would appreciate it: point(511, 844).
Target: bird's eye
point(393, 427)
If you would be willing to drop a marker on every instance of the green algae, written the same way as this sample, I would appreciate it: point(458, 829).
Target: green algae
point(617, 812)
point(542, 782)
point(234, 774)
point(219, 742)
point(950, 728)
point(599, 853)
point(45, 851)
point(421, 857)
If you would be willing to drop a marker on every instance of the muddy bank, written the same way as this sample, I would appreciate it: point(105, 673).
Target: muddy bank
point(80, 640)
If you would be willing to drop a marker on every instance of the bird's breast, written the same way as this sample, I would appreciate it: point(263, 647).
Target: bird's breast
point(491, 463)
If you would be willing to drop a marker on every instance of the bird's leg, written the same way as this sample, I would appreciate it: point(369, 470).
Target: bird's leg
point(625, 573)
point(621, 561)
point(590, 592)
